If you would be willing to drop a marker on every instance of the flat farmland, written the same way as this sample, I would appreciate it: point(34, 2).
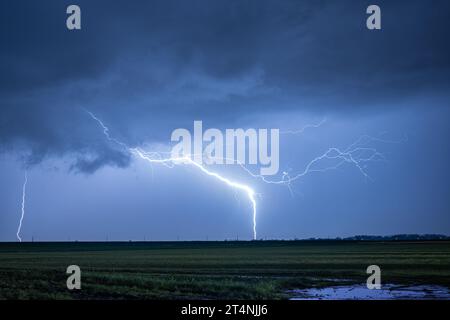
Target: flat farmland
point(212, 270)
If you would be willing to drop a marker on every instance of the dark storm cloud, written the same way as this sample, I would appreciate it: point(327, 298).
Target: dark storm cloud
point(148, 66)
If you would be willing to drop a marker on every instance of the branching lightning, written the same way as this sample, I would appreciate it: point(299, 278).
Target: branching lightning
point(24, 190)
point(356, 154)
point(301, 130)
point(187, 160)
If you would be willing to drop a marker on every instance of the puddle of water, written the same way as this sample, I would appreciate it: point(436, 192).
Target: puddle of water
point(360, 292)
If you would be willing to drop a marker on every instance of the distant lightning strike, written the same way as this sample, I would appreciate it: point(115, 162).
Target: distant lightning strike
point(24, 189)
point(356, 154)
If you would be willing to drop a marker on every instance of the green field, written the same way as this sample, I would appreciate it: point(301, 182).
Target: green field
point(211, 270)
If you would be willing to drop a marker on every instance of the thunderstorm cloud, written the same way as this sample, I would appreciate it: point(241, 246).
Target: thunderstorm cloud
point(147, 67)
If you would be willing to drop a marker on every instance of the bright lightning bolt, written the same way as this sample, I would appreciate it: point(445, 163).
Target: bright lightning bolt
point(188, 160)
point(357, 154)
point(183, 160)
point(24, 189)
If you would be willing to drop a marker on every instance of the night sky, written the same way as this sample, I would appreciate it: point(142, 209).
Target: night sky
point(146, 68)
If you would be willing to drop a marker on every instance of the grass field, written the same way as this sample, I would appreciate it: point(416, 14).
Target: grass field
point(211, 270)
